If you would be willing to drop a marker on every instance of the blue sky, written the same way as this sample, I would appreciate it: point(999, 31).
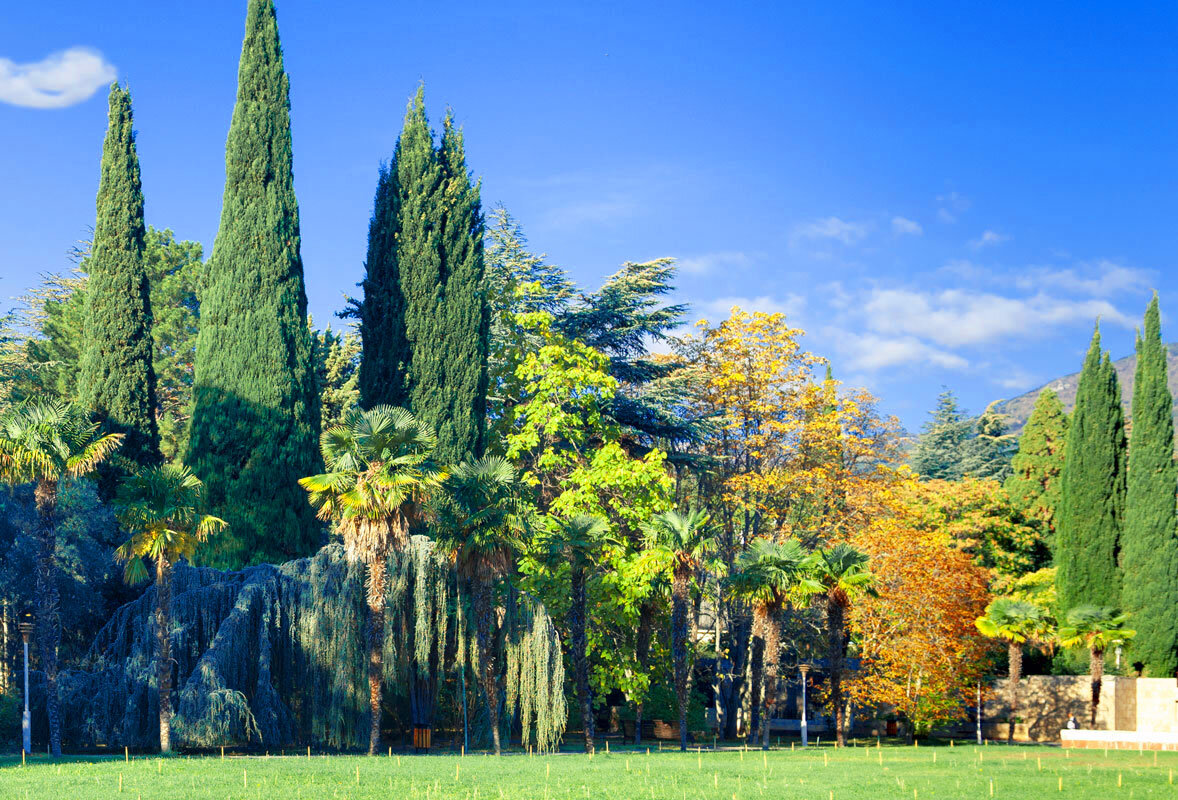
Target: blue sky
point(940, 194)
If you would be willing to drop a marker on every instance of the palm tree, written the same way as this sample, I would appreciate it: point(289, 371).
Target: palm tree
point(767, 577)
point(480, 515)
point(1016, 622)
point(575, 542)
point(1097, 628)
point(686, 541)
point(160, 508)
point(839, 574)
point(46, 443)
point(379, 473)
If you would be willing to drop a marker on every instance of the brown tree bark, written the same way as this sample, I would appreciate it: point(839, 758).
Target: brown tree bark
point(1096, 668)
point(580, 653)
point(484, 613)
point(679, 599)
point(1015, 651)
point(376, 617)
point(771, 630)
point(163, 645)
point(48, 600)
point(837, 621)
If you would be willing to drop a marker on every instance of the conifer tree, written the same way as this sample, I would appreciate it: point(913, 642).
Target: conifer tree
point(424, 317)
point(1149, 547)
point(255, 423)
point(1034, 483)
point(116, 378)
point(1093, 490)
point(943, 440)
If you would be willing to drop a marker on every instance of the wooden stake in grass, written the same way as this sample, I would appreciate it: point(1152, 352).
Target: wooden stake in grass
point(1061, 783)
point(245, 779)
point(1118, 780)
point(126, 754)
point(222, 752)
point(991, 787)
point(120, 783)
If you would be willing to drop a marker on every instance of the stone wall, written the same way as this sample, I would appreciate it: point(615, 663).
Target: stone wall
point(1046, 701)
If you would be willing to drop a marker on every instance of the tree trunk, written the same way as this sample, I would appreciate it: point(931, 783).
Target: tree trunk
point(163, 647)
point(577, 611)
point(48, 631)
point(484, 612)
point(1015, 651)
point(837, 622)
point(679, 598)
point(376, 613)
point(646, 616)
point(771, 628)
point(1096, 667)
point(756, 678)
point(739, 628)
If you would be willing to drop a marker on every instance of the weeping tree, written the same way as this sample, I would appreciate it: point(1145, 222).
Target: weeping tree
point(1096, 628)
point(46, 443)
point(686, 541)
point(839, 576)
point(379, 471)
point(160, 508)
point(575, 542)
point(766, 576)
point(480, 517)
point(1016, 622)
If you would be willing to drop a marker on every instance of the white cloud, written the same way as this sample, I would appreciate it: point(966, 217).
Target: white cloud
point(959, 318)
point(57, 81)
point(706, 262)
point(832, 228)
point(987, 239)
point(901, 226)
point(873, 352)
point(1100, 279)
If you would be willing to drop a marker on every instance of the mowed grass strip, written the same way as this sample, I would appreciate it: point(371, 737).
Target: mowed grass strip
point(820, 773)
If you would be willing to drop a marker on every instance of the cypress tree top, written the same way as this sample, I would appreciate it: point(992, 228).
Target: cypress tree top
point(116, 378)
point(1149, 547)
point(1093, 490)
point(255, 424)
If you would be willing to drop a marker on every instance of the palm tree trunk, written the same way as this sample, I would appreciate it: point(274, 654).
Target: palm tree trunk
point(1015, 651)
point(731, 687)
point(163, 648)
point(483, 613)
point(772, 657)
point(837, 621)
point(646, 614)
point(577, 611)
point(679, 600)
point(1096, 668)
point(48, 632)
point(756, 675)
point(376, 615)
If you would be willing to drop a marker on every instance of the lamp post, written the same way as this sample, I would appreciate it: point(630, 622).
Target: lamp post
point(26, 630)
point(805, 670)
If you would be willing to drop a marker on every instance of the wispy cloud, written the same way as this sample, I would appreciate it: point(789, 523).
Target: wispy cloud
point(871, 352)
point(902, 226)
point(1099, 279)
point(950, 205)
point(707, 262)
point(57, 81)
point(832, 228)
point(988, 239)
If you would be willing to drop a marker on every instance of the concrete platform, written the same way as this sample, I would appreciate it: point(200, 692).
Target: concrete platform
point(1119, 740)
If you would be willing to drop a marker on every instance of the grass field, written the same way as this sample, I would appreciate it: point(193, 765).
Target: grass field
point(857, 773)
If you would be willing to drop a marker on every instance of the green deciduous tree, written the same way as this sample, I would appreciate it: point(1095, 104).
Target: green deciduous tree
point(1149, 543)
point(45, 443)
point(1034, 485)
point(161, 508)
point(117, 377)
point(379, 472)
point(1093, 489)
point(257, 414)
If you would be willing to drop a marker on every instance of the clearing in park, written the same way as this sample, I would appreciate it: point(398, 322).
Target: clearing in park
point(820, 773)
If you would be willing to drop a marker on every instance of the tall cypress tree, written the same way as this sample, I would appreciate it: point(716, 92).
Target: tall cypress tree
point(424, 316)
point(1034, 482)
point(116, 379)
point(1149, 550)
point(255, 423)
point(1092, 513)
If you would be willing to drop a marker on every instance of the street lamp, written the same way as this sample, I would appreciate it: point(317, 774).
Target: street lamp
point(805, 670)
point(26, 630)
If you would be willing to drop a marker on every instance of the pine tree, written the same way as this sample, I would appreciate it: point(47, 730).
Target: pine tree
point(1149, 547)
point(424, 317)
point(255, 424)
point(1093, 490)
point(1034, 484)
point(941, 447)
point(116, 378)
point(988, 453)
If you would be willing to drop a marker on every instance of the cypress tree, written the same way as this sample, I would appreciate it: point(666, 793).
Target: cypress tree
point(424, 317)
point(116, 378)
point(1093, 490)
point(1034, 483)
point(1149, 551)
point(255, 423)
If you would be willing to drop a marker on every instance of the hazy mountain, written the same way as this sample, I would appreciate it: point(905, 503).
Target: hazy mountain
point(1017, 409)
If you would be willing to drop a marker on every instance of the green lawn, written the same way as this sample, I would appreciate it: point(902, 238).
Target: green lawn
point(859, 773)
